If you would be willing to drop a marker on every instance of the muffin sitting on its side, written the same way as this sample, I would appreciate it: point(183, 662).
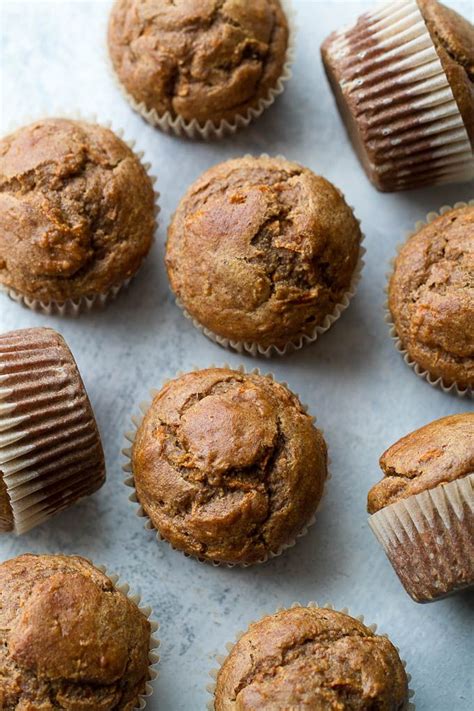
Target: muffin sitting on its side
point(77, 212)
point(228, 466)
point(423, 509)
point(68, 638)
point(431, 298)
point(262, 253)
point(311, 658)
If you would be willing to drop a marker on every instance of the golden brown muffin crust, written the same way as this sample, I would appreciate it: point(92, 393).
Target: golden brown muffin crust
point(68, 638)
point(311, 659)
point(261, 250)
point(431, 296)
point(435, 454)
point(76, 210)
point(453, 36)
point(227, 465)
point(198, 59)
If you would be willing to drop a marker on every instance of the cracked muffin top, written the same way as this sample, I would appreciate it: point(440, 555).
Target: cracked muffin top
point(228, 465)
point(314, 659)
point(68, 638)
point(435, 454)
point(431, 296)
point(453, 37)
point(261, 250)
point(76, 210)
point(198, 59)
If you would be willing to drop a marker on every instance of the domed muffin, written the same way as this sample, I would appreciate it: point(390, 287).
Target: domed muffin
point(198, 64)
point(262, 253)
point(403, 78)
point(77, 212)
point(311, 658)
point(69, 638)
point(228, 466)
point(423, 508)
point(431, 297)
point(50, 450)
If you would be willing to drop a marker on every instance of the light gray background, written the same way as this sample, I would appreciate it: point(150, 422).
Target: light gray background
point(365, 398)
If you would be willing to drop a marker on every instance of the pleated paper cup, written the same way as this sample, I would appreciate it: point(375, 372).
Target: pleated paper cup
point(129, 480)
point(220, 658)
point(429, 539)
point(396, 99)
point(210, 130)
point(88, 302)
point(50, 450)
point(434, 381)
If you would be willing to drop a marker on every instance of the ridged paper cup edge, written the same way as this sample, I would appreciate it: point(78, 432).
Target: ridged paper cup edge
point(139, 511)
point(147, 612)
point(220, 658)
point(435, 382)
point(84, 304)
point(209, 131)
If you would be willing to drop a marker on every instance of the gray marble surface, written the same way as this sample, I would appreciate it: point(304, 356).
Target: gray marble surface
point(52, 57)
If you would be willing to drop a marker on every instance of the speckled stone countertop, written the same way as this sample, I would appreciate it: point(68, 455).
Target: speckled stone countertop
point(52, 57)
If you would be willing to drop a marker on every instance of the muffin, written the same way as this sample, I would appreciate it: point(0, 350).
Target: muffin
point(228, 466)
point(50, 449)
point(69, 638)
point(422, 511)
point(431, 298)
point(199, 67)
point(311, 658)
point(77, 213)
point(403, 80)
point(263, 254)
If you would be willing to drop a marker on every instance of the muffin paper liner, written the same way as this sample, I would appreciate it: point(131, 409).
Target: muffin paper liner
point(220, 658)
point(84, 304)
point(391, 80)
point(50, 449)
point(297, 342)
point(436, 382)
point(193, 129)
point(147, 611)
point(139, 511)
point(429, 539)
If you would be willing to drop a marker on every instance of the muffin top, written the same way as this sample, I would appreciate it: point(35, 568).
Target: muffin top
point(198, 59)
point(227, 465)
point(76, 210)
point(437, 453)
point(431, 296)
point(453, 37)
point(68, 638)
point(311, 658)
point(262, 250)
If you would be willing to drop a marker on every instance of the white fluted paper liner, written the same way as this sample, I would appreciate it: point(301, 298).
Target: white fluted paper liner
point(436, 382)
point(147, 611)
point(85, 304)
point(193, 129)
point(428, 538)
point(220, 658)
point(139, 511)
point(387, 64)
point(50, 450)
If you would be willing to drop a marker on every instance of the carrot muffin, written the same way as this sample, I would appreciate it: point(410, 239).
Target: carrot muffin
point(50, 449)
point(311, 658)
point(68, 638)
point(228, 466)
point(423, 508)
point(431, 297)
point(201, 61)
point(403, 80)
point(76, 212)
point(262, 251)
